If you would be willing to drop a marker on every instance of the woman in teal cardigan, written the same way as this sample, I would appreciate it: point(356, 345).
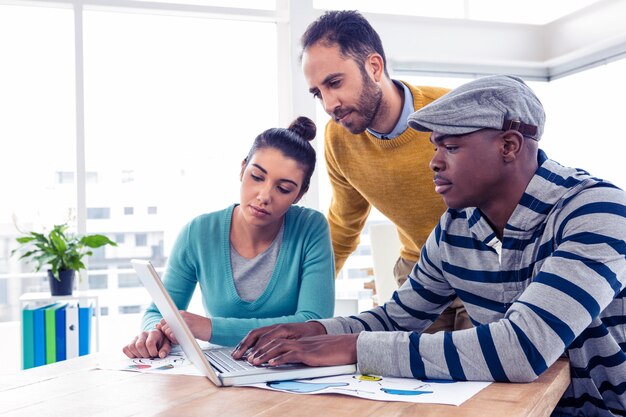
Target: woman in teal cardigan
point(260, 262)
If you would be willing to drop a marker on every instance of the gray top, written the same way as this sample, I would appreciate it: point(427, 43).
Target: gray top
point(252, 275)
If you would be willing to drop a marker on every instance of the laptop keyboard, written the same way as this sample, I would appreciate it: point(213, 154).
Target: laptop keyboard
point(222, 359)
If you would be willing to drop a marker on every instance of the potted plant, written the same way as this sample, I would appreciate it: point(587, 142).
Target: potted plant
point(62, 252)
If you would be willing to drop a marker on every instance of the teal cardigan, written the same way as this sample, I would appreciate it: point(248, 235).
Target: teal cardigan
point(301, 287)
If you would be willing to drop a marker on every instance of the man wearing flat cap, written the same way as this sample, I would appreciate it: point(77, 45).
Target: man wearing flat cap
point(536, 252)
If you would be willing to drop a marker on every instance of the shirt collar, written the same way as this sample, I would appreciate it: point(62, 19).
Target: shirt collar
point(550, 185)
point(407, 110)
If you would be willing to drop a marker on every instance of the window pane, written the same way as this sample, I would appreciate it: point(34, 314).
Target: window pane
point(37, 132)
point(135, 309)
point(129, 281)
point(596, 148)
point(141, 239)
point(172, 106)
point(98, 212)
point(98, 281)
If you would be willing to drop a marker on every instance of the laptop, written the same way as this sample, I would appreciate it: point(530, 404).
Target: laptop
point(216, 363)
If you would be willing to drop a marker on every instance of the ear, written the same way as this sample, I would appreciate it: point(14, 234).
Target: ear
point(512, 141)
point(377, 66)
point(244, 163)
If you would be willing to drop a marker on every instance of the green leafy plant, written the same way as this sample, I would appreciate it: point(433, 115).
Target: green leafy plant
point(59, 249)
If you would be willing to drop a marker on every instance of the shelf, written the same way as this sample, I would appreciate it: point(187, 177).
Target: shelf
point(46, 296)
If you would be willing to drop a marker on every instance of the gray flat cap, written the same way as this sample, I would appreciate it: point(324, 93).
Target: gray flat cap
point(498, 102)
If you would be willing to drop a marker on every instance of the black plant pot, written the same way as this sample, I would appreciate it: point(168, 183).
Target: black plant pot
point(63, 287)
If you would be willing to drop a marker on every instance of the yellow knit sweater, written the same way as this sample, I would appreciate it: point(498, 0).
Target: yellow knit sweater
point(391, 175)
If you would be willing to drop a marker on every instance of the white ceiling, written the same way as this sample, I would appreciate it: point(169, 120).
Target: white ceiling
point(538, 12)
point(591, 36)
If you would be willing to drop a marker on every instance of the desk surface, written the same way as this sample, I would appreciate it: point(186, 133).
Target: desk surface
point(77, 388)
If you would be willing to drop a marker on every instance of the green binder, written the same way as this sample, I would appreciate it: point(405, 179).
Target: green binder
point(50, 325)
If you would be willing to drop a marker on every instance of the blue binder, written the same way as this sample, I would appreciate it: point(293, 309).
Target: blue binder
point(60, 334)
point(84, 330)
point(39, 335)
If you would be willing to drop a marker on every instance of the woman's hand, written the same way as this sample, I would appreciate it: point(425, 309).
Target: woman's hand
point(200, 326)
point(152, 344)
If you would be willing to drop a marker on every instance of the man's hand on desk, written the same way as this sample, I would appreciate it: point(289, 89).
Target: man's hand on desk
point(152, 344)
point(305, 343)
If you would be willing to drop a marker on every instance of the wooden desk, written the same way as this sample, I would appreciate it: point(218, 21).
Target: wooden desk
point(76, 388)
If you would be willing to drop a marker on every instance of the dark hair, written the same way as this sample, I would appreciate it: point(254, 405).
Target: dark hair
point(348, 29)
point(293, 142)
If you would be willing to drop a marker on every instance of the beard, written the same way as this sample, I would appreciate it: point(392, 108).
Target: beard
point(367, 107)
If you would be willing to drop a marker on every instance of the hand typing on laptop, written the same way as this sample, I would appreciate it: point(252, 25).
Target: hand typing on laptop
point(305, 343)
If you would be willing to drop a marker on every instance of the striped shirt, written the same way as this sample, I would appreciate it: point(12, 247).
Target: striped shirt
point(553, 285)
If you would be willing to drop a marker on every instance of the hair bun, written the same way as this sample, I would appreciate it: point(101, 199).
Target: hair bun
point(303, 127)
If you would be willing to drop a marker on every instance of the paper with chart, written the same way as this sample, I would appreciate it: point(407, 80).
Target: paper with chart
point(173, 364)
point(383, 388)
point(364, 386)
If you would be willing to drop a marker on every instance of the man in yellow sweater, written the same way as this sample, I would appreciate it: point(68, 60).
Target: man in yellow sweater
point(372, 157)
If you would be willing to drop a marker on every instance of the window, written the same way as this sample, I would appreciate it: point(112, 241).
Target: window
point(4, 293)
point(98, 282)
point(161, 88)
point(65, 177)
point(128, 175)
point(120, 238)
point(91, 177)
point(98, 212)
point(37, 133)
point(172, 98)
point(141, 239)
point(360, 273)
point(135, 309)
point(363, 250)
point(98, 255)
point(174, 119)
point(128, 281)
